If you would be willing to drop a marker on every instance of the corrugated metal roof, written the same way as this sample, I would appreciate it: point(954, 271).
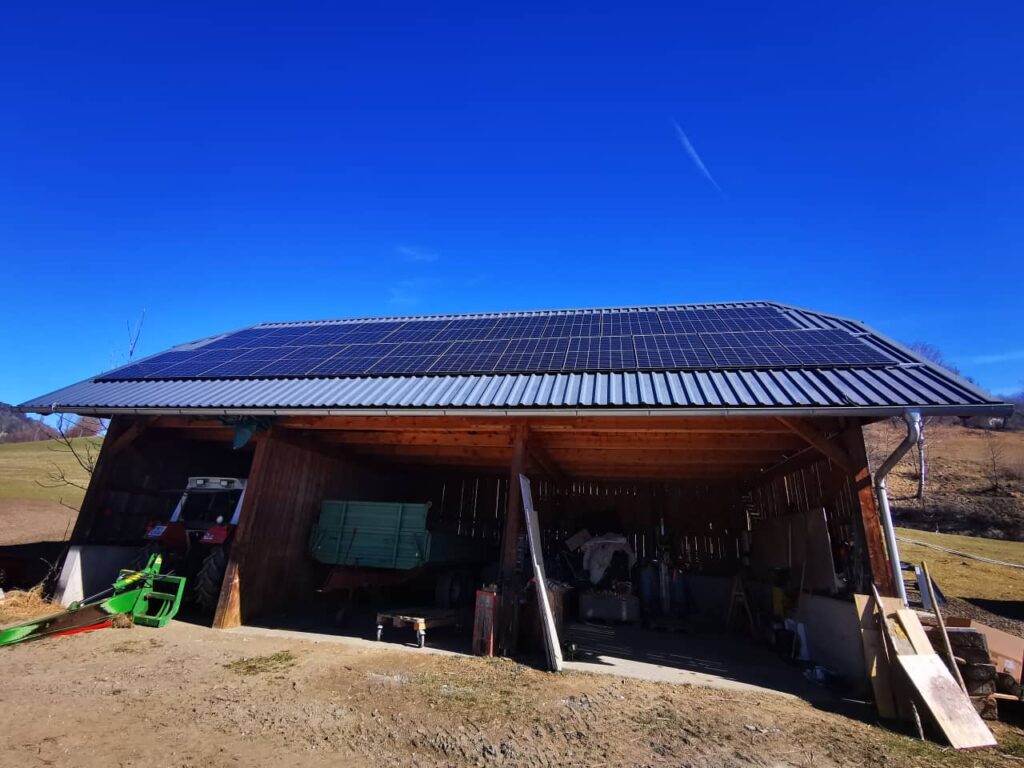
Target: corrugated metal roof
point(870, 391)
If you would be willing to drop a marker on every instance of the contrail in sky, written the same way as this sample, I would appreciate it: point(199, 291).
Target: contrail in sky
point(696, 158)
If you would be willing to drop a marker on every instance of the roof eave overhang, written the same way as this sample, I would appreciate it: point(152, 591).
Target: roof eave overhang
point(996, 410)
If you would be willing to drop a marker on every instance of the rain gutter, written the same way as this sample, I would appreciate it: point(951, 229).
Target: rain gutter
point(913, 420)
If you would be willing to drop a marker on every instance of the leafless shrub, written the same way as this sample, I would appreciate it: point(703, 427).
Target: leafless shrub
point(994, 462)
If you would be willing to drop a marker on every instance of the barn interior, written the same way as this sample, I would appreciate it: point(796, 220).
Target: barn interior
point(694, 543)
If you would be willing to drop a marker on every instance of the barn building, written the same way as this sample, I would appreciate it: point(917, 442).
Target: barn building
point(713, 437)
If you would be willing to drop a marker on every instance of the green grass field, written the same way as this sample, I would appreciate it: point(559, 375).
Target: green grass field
point(25, 468)
point(32, 506)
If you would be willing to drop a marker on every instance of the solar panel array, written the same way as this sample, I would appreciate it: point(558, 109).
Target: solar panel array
point(599, 340)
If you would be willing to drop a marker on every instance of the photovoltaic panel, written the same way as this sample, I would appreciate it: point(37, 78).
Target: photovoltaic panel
point(550, 345)
point(580, 324)
point(417, 332)
point(630, 323)
point(300, 361)
point(839, 355)
point(344, 364)
point(671, 351)
point(419, 348)
point(330, 335)
point(752, 357)
point(464, 363)
point(530, 362)
point(517, 327)
point(466, 330)
point(485, 347)
point(663, 339)
point(265, 354)
point(396, 364)
point(600, 353)
point(813, 336)
point(747, 349)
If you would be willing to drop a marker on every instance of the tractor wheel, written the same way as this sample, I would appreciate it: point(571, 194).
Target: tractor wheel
point(454, 589)
point(210, 578)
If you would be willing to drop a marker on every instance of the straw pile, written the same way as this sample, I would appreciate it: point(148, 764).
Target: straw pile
point(22, 605)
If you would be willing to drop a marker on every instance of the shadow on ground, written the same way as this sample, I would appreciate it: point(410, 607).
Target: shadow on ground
point(1010, 609)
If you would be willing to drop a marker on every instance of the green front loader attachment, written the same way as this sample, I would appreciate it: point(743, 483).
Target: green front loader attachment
point(146, 597)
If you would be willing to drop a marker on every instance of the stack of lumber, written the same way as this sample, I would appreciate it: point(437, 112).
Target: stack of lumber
point(909, 679)
point(982, 671)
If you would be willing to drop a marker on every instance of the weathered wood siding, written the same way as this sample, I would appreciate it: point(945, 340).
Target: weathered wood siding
point(270, 566)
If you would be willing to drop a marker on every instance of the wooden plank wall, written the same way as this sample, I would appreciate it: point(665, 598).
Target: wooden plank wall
point(820, 484)
point(815, 485)
point(142, 480)
point(705, 519)
point(270, 566)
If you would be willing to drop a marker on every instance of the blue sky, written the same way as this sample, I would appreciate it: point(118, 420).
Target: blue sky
point(223, 164)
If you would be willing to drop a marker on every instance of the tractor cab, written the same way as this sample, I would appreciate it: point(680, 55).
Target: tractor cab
point(197, 537)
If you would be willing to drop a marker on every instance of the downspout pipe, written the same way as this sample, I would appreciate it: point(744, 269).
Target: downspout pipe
point(913, 420)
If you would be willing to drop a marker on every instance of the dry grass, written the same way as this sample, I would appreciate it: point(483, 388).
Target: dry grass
point(32, 507)
point(963, 577)
point(24, 470)
point(258, 665)
point(22, 605)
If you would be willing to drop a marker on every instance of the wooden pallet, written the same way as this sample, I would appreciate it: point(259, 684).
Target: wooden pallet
point(419, 618)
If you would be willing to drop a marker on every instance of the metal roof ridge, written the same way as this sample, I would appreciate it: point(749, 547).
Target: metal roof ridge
point(526, 313)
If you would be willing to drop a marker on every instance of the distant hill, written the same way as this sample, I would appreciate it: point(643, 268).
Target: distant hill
point(18, 428)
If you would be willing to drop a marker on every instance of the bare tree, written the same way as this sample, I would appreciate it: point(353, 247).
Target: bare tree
point(70, 432)
point(86, 426)
point(84, 452)
point(994, 460)
point(932, 354)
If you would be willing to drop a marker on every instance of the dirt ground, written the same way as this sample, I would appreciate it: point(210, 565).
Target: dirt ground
point(190, 696)
point(24, 521)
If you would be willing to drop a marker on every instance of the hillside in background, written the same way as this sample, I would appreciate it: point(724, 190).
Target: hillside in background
point(18, 428)
point(33, 507)
point(975, 480)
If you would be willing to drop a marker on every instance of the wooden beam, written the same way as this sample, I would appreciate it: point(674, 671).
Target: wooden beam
point(818, 440)
point(737, 425)
point(654, 440)
point(123, 440)
point(212, 434)
point(642, 456)
point(619, 473)
point(453, 453)
point(543, 460)
point(719, 424)
point(476, 438)
point(509, 583)
point(871, 524)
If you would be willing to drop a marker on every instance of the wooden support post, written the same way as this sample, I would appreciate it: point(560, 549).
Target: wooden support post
point(229, 604)
point(508, 580)
point(871, 524)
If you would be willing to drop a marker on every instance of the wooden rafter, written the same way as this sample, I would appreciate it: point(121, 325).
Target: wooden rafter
point(549, 466)
point(818, 440)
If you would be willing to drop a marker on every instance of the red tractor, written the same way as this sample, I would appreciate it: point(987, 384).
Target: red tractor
point(196, 540)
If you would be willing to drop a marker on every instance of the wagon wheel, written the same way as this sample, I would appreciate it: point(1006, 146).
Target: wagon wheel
point(454, 589)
